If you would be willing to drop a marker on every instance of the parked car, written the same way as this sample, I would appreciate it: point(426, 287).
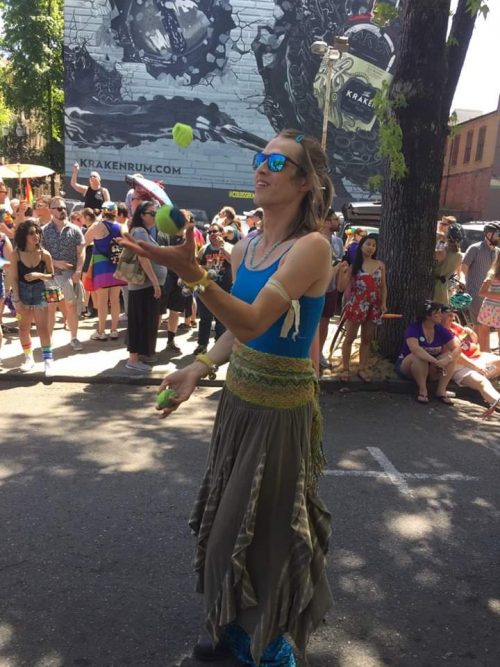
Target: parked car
point(201, 218)
point(474, 232)
point(366, 215)
point(73, 205)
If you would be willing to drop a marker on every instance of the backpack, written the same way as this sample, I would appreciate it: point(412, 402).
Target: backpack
point(114, 249)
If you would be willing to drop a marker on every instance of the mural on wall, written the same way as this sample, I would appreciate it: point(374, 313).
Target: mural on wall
point(236, 70)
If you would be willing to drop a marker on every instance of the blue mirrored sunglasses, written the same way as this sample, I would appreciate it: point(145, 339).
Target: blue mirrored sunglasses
point(275, 161)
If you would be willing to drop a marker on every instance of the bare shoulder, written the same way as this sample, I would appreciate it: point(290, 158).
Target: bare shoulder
point(46, 254)
point(312, 245)
point(313, 240)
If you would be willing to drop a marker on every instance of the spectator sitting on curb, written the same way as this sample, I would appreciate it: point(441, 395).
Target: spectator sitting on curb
point(474, 369)
point(429, 351)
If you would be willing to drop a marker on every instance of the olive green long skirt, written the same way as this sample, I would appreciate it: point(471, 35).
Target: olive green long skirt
point(262, 531)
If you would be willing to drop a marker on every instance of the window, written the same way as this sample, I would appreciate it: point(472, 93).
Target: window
point(468, 146)
point(455, 147)
point(480, 143)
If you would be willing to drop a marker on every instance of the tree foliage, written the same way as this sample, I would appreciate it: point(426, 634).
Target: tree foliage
point(32, 42)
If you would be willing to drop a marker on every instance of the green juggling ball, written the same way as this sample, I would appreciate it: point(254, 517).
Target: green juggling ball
point(164, 397)
point(182, 134)
point(170, 220)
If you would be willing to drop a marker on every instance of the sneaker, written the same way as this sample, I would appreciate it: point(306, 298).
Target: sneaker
point(98, 336)
point(138, 366)
point(201, 349)
point(114, 335)
point(152, 359)
point(49, 367)
point(172, 347)
point(183, 327)
point(28, 365)
point(123, 317)
point(76, 345)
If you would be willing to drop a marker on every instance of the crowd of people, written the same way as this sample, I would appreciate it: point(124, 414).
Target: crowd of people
point(267, 290)
point(56, 262)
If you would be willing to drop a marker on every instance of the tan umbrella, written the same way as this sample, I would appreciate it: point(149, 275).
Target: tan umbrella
point(21, 171)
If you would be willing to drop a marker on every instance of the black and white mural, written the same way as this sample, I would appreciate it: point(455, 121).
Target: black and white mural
point(237, 71)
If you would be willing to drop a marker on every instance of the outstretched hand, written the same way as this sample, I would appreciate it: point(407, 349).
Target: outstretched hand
point(180, 259)
point(183, 382)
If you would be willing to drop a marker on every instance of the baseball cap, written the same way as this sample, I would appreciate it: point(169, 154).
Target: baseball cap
point(258, 212)
point(109, 206)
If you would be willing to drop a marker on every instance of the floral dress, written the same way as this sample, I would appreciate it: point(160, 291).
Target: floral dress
point(489, 313)
point(365, 300)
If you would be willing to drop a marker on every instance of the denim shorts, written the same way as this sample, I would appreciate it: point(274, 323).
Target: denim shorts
point(398, 371)
point(32, 295)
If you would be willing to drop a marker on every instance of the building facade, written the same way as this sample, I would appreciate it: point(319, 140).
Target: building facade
point(237, 72)
point(470, 187)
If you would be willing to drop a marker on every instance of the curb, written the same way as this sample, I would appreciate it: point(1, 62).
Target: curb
point(327, 386)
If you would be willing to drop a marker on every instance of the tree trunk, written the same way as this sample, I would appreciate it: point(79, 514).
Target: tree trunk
point(426, 73)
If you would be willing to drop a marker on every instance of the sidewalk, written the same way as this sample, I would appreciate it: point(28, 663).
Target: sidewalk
point(104, 362)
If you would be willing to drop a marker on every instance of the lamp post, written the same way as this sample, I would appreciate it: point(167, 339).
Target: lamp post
point(332, 54)
point(21, 133)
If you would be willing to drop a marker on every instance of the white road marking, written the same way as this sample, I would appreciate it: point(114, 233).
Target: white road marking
point(391, 474)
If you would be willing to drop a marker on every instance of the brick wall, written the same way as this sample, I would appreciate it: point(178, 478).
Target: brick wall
point(467, 192)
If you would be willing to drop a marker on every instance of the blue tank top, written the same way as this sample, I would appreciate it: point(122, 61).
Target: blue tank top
point(247, 286)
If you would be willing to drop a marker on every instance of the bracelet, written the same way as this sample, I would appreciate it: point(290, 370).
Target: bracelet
point(211, 365)
point(196, 286)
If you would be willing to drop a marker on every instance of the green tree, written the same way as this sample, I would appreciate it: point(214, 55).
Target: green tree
point(32, 42)
point(426, 73)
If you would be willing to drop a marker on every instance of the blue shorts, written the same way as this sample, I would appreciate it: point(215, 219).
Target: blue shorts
point(397, 369)
point(32, 295)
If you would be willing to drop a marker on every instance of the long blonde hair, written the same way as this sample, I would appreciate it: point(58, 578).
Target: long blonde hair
point(317, 201)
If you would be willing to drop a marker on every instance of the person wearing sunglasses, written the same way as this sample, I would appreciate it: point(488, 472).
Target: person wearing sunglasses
point(65, 242)
point(31, 270)
point(41, 210)
point(429, 352)
point(144, 300)
point(262, 530)
point(94, 195)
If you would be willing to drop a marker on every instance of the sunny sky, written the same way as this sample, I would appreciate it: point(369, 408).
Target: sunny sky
point(479, 85)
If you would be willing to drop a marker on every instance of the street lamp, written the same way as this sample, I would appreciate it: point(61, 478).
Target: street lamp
point(332, 54)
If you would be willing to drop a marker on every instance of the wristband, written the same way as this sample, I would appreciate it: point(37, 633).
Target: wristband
point(211, 365)
point(196, 286)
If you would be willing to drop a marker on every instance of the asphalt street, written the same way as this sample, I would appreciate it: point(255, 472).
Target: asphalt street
point(95, 552)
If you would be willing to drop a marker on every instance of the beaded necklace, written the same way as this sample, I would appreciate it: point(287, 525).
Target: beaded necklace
point(251, 263)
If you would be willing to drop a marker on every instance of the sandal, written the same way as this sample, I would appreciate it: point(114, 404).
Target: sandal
point(423, 399)
point(363, 376)
point(345, 376)
point(446, 400)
